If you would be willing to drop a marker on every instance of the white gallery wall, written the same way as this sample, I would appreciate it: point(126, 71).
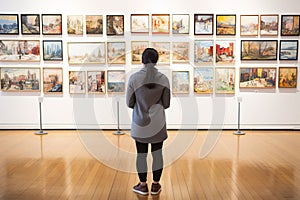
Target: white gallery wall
point(260, 108)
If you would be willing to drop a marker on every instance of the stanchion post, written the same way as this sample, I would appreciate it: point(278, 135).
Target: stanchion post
point(40, 132)
point(118, 132)
point(238, 132)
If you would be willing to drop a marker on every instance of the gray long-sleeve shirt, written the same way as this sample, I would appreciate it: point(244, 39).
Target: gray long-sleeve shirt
point(148, 93)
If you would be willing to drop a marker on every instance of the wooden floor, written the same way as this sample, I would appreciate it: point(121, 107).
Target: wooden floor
point(61, 165)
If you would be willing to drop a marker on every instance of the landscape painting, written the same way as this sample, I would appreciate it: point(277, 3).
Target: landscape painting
point(51, 24)
point(269, 25)
point(116, 81)
point(288, 50)
point(203, 80)
point(226, 24)
point(94, 24)
point(77, 82)
point(203, 51)
point(139, 23)
point(86, 52)
point(180, 24)
point(225, 80)
point(9, 24)
point(259, 50)
point(203, 24)
point(20, 79)
point(257, 77)
point(180, 82)
point(137, 49)
point(180, 52)
point(163, 49)
point(116, 52)
point(53, 80)
point(30, 24)
point(20, 50)
point(287, 77)
point(96, 82)
point(115, 25)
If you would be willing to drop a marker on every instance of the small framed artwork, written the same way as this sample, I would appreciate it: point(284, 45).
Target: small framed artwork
point(163, 49)
point(15, 79)
point(257, 77)
point(203, 24)
point(115, 25)
point(203, 80)
point(86, 53)
point(226, 25)
point(116, 81)
point(180, 23)
point(94, 24)
point(290, 25)
point(20, 50)
point(180, 82)
point(77, 82)
point(259, 49)
point(249, 25)
point(180, 52)
point(137, 49)
point(75, 24)
point(203, 51)
point(51, 24)
point(9, 24)
point(288, 50)
point(53, 80)
point(52, 50)
point(225, 80)
point(269, 25)
point(160, 23)
point(116, 52)
point(139, 23)
point(287, 77)
point(30, 24)
point(225, 52)
point(96, 82)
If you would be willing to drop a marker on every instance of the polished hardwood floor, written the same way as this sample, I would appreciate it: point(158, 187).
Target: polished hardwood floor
point(70, 164)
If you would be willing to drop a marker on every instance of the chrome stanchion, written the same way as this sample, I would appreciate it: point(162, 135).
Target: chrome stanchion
point(40, 132)
point(238, 132)
point(118, 132)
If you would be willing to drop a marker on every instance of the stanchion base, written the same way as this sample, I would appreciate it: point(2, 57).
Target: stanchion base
point(239, 133)
point(118, 133)
point(40, 133)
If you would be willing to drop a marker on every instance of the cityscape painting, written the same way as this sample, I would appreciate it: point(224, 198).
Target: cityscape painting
point(20, 50)
point(180, 24)
point(53, 80)
point(137, 49)
point(116, 52)
point(180, 52)
point(225, 80)
point(203, 24)
point(20, 79)
point(203, 51)
point(116, 81)
point(30, 24)
point(75, 24)
point(9, 24)
point(203, 80)
point(257, 77)
point(225, 52)
point(160, 23)
point(287, 77)
point(77, 82)
point(139, 23)
point(94, 24)
point(163, 49)
point(52, 50)
point(115, 25)
point(51, 24)
point(180, 82)
point(269, 25)
point(290, 25)
point(249, 25)
point(96, 82)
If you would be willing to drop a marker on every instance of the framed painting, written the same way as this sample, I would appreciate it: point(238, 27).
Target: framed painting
point(287, 77)
point(96, 82)
point(180, 52)
point(180, 23)
point(225, 80)
point(30, 24)
point(259, 49)
point(94, 24)
point(116, 81)
point(15, 79)
point(75, 24)
point(288, 50)
point(226, 25)
point(257, 77)
point(77, 82)
point(52, 50)
point(115, 25)
point(86, 52)
point(203, 80)
point(139, 23)
point(203, 51)
point(20, 50)
point(225, 52)
point(51, 24)
point(269, 25)
point(52, 80)
point(9, 24)
point(249, 25)
point(290, 25)
point(203, 24)
point(163, 49)
point(160, 23)
point(116, 52)
point(137, 49)
point(180, 82)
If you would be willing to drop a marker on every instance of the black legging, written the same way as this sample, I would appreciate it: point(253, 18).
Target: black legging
point(141, 161)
